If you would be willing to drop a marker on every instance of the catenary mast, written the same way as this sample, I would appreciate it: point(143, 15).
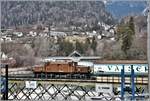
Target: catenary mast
point(148, 43)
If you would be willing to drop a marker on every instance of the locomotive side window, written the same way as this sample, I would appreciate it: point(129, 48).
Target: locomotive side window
point(69, 64)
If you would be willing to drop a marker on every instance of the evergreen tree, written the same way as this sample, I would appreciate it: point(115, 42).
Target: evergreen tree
point(131, 25)
point(125, 33)
point(126, 40)
point(94, 44)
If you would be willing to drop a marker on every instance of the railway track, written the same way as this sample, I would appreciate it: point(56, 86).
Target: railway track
point(63, 80)
point(31, 77)
point(59, 80)
point(54, 81)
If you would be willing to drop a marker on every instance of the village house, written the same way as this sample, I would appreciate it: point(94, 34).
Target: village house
point(75, 38)
point(58, 34)
point(3, 56)
point(46, 30)
point(91, 34)
point(18, 34)
point(32, 33)
point(6, 38)
point(42, 34)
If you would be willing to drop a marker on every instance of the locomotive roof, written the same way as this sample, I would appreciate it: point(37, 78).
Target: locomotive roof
point(122, 62)
point(59, 62)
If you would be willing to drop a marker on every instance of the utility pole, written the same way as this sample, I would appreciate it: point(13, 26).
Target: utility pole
point(148, 45)
point(132, 83)
point(6, 84)
point(122, 83)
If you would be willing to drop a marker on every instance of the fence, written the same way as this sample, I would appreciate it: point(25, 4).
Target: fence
point(47, 90)
point(50, 91)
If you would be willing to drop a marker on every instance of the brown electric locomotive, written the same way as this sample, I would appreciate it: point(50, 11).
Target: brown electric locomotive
point(61, 69)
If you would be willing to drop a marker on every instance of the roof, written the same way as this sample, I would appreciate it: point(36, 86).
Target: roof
point(75, 59)
point(122, 62)
point(60, 62)
point(3, 55)
point(75, 54)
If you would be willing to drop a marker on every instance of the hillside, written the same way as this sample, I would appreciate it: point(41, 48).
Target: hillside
point(55, 13)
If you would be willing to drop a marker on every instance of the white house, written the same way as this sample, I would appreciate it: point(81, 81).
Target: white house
point(112, 39)
point(5, 38)
point(112, 31)
point(91, 34)
point(99, 37)
point(19, 34)
point(46, 30)
point(106, 27)
point(1, 39)
point(55, 33)
point(3, 55)
point(33, 34)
